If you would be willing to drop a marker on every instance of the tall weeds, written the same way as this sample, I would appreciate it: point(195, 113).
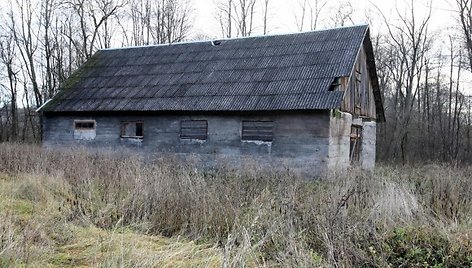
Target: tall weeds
point(259, 217)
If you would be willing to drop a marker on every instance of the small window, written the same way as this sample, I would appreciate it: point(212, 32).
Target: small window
point(194, 129)
point(84, 129)
point(257, 130)
point(335, 84)
point(84, 124)
point(132, 129)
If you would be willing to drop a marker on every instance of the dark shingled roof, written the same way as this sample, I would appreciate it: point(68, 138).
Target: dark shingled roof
point(282, 72)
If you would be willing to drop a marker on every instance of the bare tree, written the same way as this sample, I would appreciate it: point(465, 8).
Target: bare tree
point(23, 27)
point(224, 16)
point(344, 13)
point(7, 58)
point(91, 15)
point(408, 44)
point(175, 19)
point(158, 22)
point(140, 14)
point(451, 141)
point(465, 16)
point(300, 18)
point(244, 14)
point(310, 10)
point(237, 13)
point(47, 8)
point(265, 17)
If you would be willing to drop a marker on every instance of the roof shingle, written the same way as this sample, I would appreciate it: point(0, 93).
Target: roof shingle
point(283, 72)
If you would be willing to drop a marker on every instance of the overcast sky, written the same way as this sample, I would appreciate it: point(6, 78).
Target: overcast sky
point(283, 13)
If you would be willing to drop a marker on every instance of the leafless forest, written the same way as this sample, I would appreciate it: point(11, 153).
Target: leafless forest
point(424, 73)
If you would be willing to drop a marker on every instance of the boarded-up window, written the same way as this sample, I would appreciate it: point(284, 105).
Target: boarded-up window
point(257, 130)
point(194, 129)
point(84, 124)
point(132, 129)
point(356, 142)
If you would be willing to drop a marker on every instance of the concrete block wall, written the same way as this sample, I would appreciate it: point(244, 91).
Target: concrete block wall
point(369, 134)
point(339, 140)
point(300, 143)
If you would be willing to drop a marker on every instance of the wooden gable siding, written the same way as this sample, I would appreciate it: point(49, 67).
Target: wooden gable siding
point(359, 95)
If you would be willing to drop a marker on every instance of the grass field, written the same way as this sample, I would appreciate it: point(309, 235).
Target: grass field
point(79, 209)
point(37, 230)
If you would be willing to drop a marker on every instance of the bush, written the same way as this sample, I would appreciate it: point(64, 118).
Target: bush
point(423, 246)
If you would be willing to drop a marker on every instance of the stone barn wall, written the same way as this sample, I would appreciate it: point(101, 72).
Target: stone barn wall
point(301, 141)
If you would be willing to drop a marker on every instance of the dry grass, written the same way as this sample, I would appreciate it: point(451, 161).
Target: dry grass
point(37, 230)
point(78, 208)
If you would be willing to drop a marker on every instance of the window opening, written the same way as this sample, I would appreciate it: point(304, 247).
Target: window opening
point(257, 130)
point(335, 84)
point(133, 129)
point(194, 129)
point(84, 124)
point(84, 129)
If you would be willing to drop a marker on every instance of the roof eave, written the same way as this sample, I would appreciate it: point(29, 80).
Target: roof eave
point(374, 77)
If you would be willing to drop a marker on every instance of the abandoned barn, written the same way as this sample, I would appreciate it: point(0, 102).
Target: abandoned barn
point(306, 101)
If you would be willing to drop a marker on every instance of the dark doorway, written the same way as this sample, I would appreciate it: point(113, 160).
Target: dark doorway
point(356, 143)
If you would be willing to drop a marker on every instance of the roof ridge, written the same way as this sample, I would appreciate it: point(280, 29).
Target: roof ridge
point(237, 38)
point(218, 95)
